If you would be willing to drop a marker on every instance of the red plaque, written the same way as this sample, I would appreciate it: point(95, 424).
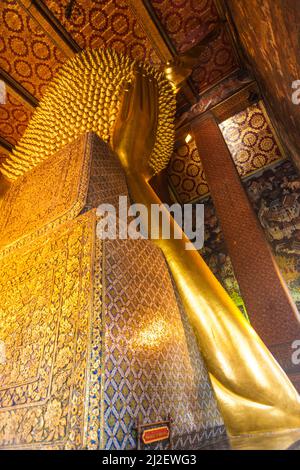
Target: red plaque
point(155, 434)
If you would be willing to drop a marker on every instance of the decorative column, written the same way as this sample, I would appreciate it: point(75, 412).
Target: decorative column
point(271, 309)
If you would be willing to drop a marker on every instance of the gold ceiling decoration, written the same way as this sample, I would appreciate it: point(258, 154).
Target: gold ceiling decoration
point(84, 96)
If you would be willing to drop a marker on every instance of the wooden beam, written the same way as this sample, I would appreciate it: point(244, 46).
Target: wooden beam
point(18, 91)
point(51, 26)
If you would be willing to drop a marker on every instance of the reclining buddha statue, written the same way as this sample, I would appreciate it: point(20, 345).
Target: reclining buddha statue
point(131, 106)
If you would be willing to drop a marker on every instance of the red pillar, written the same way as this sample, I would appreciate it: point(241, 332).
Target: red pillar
point(271, 309)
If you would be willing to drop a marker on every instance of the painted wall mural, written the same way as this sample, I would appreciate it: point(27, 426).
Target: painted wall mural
point(275, 195)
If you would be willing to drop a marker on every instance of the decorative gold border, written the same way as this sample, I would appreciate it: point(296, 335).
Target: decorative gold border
point(94, 375)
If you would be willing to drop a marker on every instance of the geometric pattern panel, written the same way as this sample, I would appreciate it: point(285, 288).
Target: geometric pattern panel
point(186, 175)
point(186, 21)
point(142, 331)
point(215, 254)
point(26, 52)
point(215, 63)
point(153, 366)
point(45, 318)
point(251, 140)
point(14, 117)
point(108, 24)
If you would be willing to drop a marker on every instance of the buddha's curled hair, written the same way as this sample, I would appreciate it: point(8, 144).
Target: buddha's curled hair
point(84, 96)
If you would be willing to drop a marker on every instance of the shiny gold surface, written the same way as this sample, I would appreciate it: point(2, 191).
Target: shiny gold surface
point(84, 96)
point(253, 392)
point(46, 317)
point(51, 193)
point(269, 441)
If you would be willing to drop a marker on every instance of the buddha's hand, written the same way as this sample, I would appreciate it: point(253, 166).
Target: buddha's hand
point(135, 128)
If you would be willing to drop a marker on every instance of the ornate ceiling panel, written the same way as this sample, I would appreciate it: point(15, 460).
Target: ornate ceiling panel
point(26, 52)
point(215, 63)
point(107, 23)
point(186, 175)
point(186, 21)
point(251, 140)
point(14, 117)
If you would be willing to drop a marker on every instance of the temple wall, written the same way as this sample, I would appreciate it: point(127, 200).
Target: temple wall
point(275, 196)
